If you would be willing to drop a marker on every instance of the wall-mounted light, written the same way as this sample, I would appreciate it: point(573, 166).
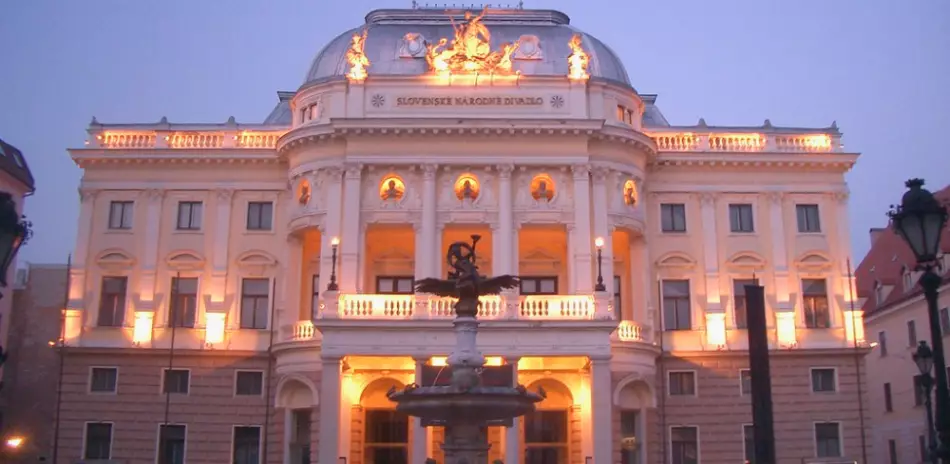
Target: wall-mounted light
point(716, 329)
point(214, 328)
point(142, 330)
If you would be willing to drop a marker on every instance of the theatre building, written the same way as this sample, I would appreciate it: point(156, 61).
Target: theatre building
point(246, 290)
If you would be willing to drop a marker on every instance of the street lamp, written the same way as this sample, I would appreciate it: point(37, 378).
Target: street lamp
point(332, 286)
point(924, 358)
point(919, 220)
point(15, 231)
point(599, 243)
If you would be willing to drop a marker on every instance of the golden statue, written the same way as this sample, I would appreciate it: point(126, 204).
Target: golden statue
point(392, 189)
point(356, 57)
point(578, 60)
point(470, 50)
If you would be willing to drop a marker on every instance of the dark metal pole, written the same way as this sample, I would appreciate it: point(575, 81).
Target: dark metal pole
point(332, 286)
point(930, 282)
point(857, 367)
point(173, 307)
point(61, 350)
point(600, 275)
point(762, 420)
point(927, 384)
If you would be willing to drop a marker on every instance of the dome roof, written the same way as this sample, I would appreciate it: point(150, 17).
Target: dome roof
point(387, 28)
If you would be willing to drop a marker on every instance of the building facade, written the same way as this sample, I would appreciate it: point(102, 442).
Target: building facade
point(247, 290)
point(896, 321)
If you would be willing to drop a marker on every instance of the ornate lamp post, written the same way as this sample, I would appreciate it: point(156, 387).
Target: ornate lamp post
point(920, 220)
point(332, 286)
point(924, 358)
point(599, 243)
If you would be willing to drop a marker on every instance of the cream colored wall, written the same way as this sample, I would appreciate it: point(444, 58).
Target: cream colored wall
point(542, 252)
point(390, 251)
point(906, 422)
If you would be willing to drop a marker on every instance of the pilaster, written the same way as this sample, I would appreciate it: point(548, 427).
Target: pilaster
point(601, 420)
point(582, 245)
point(221, 247)
point(708, 203)
point(428, 264)
point(601, 227)
point(421, 442)
point(77, 279)
point(349, 240)
point(332, 176)
point(505, 263)
point(779, 250)
point(292, 311)
point(154, 199)
point(330, 392)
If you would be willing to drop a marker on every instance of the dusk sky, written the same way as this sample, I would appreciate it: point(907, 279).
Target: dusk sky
point(878, 67)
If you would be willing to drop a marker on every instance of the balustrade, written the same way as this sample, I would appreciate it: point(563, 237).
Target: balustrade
point(744, 142)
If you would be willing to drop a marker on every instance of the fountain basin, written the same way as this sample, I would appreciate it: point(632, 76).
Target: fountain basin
point(449, 405)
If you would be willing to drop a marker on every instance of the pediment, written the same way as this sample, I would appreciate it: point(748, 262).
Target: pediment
point(539, 254)
point(185, 259)
point(115, 258)
point(813, 260)
point(676, 260)
point(256, 258)
point(747, 260)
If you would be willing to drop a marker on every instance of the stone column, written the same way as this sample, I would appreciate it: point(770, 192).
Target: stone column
point(711, 251)
point(779, 251)
point(330, 411)
point(513, 433)
point(219, 253)
point(428, 231)
point(582, 245)
point(420, 438)
point(505, 223)
point(331, 225)
point(146, 286)
point(601, 421)
point(77, 280)
point(288, 434)
point(350, 231)
point(293, 308)
point(603, 230)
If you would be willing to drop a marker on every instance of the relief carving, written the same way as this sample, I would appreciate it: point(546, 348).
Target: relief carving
point(413, 46)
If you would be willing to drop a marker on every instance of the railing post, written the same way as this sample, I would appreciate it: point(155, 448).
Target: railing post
point(510, 303)
point(331, 305)
point(602, 306)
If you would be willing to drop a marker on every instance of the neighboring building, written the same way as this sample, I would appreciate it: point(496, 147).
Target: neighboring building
point(896, 318)
point(31, 374)
point(541, 151)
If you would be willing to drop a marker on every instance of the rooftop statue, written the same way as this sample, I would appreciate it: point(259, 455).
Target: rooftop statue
point(470, 49)
point(357, 58)
point(578, 59)
point(464, 282)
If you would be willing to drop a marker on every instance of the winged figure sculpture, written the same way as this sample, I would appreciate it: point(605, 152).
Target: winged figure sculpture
point(464, 282)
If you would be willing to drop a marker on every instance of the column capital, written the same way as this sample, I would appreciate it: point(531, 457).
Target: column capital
point(776, 197)
point(353, 170)
point(429, 170)
point(88, 194)
point(504, 170)
point(599, 359)
point(224, 194)
point(153, 194)
point(332, 171)
point(419, 358)
point(581, 171)
point(708, 198)
point(841, 196)
point(599, 173)
point(331, 359)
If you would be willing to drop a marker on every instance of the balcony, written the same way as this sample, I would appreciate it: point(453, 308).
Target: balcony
point(422, 307)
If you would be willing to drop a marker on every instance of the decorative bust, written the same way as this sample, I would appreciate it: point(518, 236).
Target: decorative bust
point(542, 192)
point(630, 194)
point(304, 197)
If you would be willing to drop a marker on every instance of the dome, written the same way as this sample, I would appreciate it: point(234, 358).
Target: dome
point(387, 28)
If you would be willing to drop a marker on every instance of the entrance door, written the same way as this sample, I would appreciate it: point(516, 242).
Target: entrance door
point(546, 437)
point(387, 437)
point(629, 443)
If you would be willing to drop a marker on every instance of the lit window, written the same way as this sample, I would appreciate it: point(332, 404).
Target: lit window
point(815, 300)
point(676, 310)
point(255, 296)
point(112, 302)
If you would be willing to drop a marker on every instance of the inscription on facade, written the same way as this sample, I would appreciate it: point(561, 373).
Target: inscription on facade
point(430, 102)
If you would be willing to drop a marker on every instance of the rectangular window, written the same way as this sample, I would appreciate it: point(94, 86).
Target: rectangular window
point(98, 441)
point(745, 382)
point(828, 440)
point(945, 319)
point(815, 301)
point(103, 379)
point(911, 334)
point(676, 311)
point(738, 297)
point(112, 301)
point(919, 391)
point(183, 305)
point(618, 300)
point(673, 217)
point(248, 383)
point(888, 402)
point(255, 295)
point(171, 444)
point(684, 445)
point(189, 215)
point(682, 383)
point(395, 285)
point(314, 297)
point(892, 451)
point(882, 342)
point(823, 380)
point(260, 215)
point(176, 381)
point(545, 285)
point(247, 445)
point(740, 218)
point(748, 443)
point(808, 221)
point(120, 215)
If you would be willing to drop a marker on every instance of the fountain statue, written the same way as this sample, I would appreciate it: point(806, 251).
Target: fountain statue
point(465, 407)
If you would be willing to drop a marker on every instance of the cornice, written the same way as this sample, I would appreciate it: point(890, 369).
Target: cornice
point(90, 156)
point(841, 162)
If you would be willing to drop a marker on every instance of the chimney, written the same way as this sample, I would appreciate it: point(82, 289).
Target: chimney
point(876, 233)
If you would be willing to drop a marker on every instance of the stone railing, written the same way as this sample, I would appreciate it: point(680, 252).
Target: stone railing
point(629, 331)
point(746, 142)
point(185, 139)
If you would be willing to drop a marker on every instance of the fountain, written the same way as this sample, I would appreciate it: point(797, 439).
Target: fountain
point(465, 407)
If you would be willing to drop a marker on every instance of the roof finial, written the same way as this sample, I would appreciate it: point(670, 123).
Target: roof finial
point(415, 5)
point(702, 122)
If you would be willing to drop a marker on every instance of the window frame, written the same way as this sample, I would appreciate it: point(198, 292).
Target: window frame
point(882, 342)
point(745, 442)
point(745, 302)
point(237, 375)
point(396, 280)
point(801, 212)
point(737, 220)
point(565, 446)
point(260, 441)
point(669, 383)
point(190, 225)
point(689, 304)
point(944, 315)
point(834, 379)
point(127, 212)
point(158, 441)
point(164, 370)
point(124, 301)
point(259, 216)
point(171, 306)
point(538, 279)
point(814, 435)
point(813, 298)
point(115, 388)
point(314, 296)
point(888, 397)
point(912, 336)
point(85, 438)
point(669, 440)
point(672, 207)
point(267, 307)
